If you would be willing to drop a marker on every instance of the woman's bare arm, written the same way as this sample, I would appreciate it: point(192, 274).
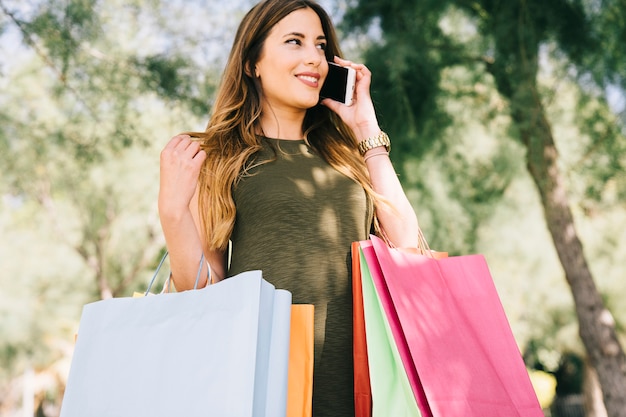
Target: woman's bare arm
point(181, 160)
point(398, 220)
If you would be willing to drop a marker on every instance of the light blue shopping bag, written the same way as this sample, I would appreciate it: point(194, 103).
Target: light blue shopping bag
point(217, 351)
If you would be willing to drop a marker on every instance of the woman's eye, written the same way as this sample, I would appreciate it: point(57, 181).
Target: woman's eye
point(294, 41)
point(322, 46)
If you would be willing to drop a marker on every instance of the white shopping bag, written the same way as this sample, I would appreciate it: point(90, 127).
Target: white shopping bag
point(218, 351)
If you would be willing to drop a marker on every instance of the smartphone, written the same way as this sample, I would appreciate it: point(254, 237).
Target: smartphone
point(339, 84)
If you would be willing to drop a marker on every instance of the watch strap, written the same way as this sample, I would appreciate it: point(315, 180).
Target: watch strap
point(381, 139)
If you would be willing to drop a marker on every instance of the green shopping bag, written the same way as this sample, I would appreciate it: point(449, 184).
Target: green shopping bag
point(392, 394)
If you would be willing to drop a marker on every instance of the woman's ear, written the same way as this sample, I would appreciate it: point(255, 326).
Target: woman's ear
point(249, 72)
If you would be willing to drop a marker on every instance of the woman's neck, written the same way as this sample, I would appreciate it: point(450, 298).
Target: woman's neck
point(282, 125)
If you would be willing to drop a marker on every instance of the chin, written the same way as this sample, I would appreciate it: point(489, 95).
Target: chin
point(314, 101)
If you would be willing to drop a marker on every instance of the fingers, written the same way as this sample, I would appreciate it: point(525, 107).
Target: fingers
point(189, 148)
point(183, 146)
point(200, 156)
point(332, 104)
point(360, 68)
point(180, 143)
point(363, 75)
point(175, 141)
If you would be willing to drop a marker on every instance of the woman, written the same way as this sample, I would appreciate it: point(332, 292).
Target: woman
point(279, 174)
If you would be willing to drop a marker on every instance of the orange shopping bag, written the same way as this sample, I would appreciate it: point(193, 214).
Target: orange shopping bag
point(300, 377)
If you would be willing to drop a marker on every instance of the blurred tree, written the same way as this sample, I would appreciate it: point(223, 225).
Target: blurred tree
point(89, 93)
point(90, 90)
point(501, 44)
point(64, 130)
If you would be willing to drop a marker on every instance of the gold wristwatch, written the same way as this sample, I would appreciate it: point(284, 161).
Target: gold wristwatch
point(382, 139)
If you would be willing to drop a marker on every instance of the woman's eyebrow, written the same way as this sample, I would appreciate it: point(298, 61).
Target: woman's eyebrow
point(301, 35)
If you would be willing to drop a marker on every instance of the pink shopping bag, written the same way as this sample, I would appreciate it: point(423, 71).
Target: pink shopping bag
point(453, 334)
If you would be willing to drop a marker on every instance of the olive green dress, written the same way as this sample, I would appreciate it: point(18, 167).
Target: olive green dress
point(296, 219)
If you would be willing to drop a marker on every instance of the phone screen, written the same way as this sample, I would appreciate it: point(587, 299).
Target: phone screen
point(339, 84)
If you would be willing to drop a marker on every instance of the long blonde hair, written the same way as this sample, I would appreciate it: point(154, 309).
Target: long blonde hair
point(231, 139)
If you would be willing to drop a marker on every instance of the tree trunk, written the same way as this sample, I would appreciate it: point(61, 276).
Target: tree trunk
point(596, 324)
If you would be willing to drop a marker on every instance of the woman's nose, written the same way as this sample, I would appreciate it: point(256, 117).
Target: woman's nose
point(314, 55)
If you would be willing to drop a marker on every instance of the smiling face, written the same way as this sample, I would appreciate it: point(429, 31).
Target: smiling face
point(292, 66)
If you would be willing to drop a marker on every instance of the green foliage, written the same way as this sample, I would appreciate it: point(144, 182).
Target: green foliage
point(164, 75)
point(604, 159)
point(407, 62)
point(607, 28)
point(63, 29)
point(172, 78)
point(82, 122)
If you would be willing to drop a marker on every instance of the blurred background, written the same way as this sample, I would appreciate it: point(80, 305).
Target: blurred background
point(508, 123)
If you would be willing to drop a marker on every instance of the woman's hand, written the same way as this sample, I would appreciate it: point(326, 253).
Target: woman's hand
point(361, 115)
point(181, 161)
